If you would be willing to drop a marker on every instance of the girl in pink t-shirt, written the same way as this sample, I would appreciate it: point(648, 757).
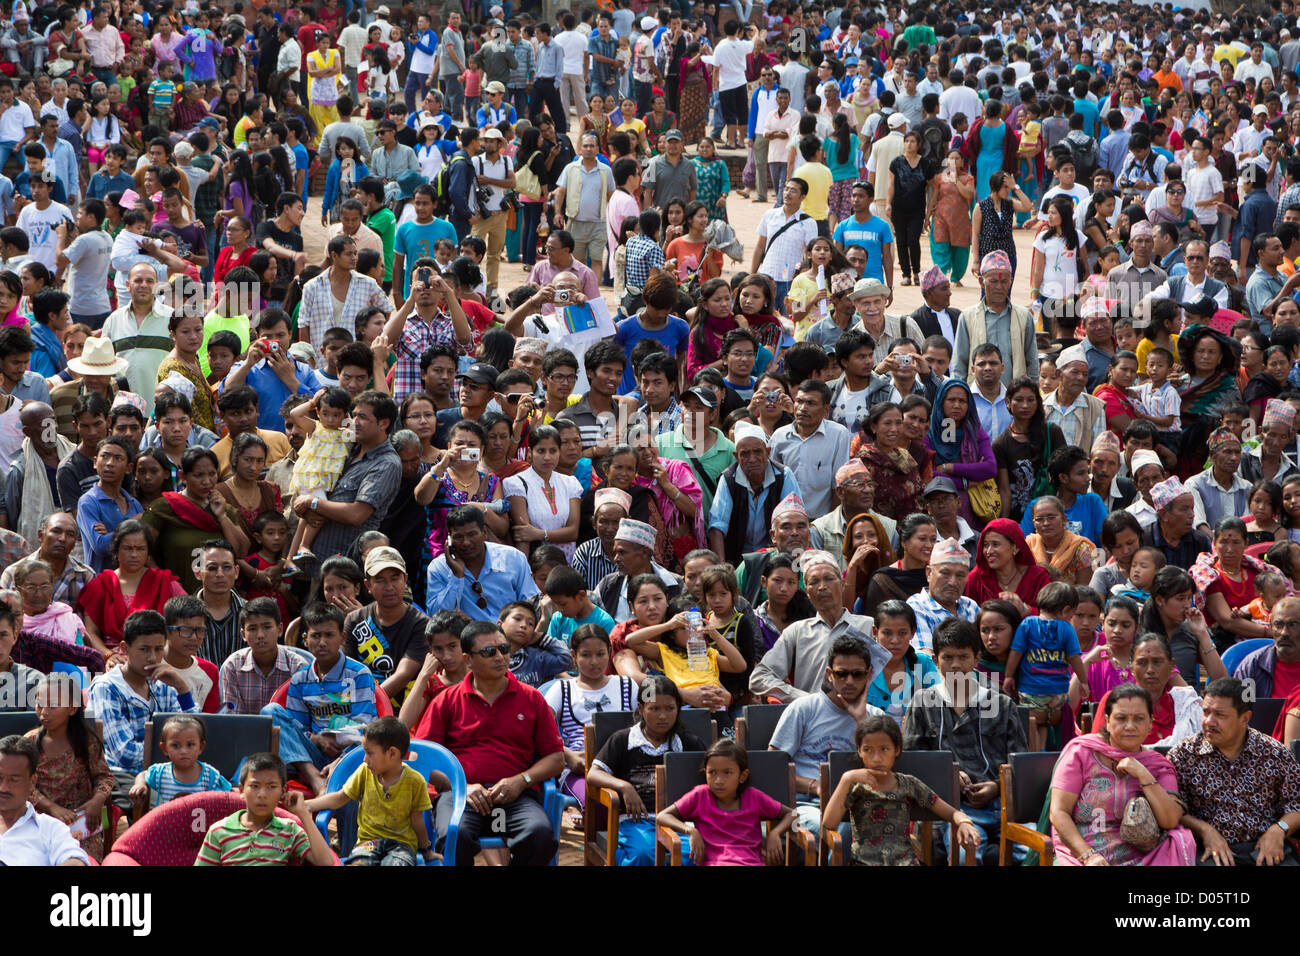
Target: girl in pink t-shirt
point(727, 813)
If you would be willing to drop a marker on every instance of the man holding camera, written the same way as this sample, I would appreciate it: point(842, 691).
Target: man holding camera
point(421, 322)
point(494, 172)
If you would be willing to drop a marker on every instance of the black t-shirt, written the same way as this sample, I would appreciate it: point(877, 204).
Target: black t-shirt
point(382, 649)
point(635, 765)
point(1022, 460)
point(284, 267)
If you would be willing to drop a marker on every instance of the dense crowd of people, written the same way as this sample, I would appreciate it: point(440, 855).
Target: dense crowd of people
point(353, 478)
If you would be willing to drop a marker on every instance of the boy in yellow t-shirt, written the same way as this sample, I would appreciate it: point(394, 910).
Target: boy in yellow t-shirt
point(392, 797)
point(818, 176)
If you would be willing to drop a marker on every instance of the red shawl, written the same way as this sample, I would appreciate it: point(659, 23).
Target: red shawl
point(187, 511)
point(1116, 401)
point(970, 147)
point(982, 582)
point(102, 601)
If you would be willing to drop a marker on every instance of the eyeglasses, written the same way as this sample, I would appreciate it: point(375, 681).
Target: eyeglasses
point(1284, 625)
point(858, 673)
point(481, 602)
point(37, 588)
point(492, 650)
point(562, 379)
point(186, 632)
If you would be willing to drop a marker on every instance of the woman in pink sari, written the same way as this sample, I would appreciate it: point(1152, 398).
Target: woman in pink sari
point(1095, 778)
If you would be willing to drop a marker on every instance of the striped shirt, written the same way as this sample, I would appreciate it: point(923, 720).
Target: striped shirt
point(591, 562)
point(522, 74)
point(164, 787)
point(344, 697)
point(318, 314)
point(231, 843)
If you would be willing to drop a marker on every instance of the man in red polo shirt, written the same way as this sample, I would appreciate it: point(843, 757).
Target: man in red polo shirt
point(505, 737)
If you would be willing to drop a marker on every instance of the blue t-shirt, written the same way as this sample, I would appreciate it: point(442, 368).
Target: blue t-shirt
point(1084, 517)
point(894, 702)
point(302, 160)
point(1045, 647)
point(561, 627)
point(872, 236)
point(101, 184)
point(630, 331)
point(415, 241)
point(1090, 115)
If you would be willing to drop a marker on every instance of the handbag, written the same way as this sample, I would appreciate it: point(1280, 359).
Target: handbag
point(985, 499)
point(1139, 827)
point(526, 182)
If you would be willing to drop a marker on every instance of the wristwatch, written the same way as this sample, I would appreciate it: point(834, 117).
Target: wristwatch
point(528, 780)
point(1284, 827)
point(314, 503)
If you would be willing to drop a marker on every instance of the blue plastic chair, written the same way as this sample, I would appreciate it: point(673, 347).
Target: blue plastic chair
point(425, 758)
point(566, 801)
point(1237, 652)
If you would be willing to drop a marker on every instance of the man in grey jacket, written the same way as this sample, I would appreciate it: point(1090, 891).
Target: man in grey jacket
point(980, 725)
point(795, 666)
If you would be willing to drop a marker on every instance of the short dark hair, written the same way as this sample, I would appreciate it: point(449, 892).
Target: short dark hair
point(956, 633)
point(474, 629)
point(259, 606)
point(1232, 689)
point(388, 732)
point(319, 613)
point(1057, 597)
point(183, 606)
point(256, 763)
point(142, 624)
point(16, 745)
point(462, 515)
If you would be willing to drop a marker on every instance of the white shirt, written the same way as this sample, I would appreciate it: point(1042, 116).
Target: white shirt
point(352, 41)
point(1250, 70)
point(38, 840)
point(529, 486)
point(15, 122)
point(959, 99)
point(1060, 271)
point(43, 242)
point(574, 45)
point(729, 57)
point(1202, 183)
point(1249, 140)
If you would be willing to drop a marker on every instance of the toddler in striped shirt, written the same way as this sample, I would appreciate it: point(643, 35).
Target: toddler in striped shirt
point(183, 740)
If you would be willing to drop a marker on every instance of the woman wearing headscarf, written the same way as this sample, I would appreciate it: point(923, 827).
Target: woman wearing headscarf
point(866, 550)
point(961, 449)
point(1211, 359)
point(1005, 568)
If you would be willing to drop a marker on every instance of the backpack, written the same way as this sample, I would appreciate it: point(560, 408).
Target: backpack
point(934, 145)
point(1085, 153)
point(442, 186)
point(882, 126)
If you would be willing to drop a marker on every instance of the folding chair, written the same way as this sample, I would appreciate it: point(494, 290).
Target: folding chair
point(600, 845)
point(230, 738)
point(1026, 781)
point(756, 724)
point(937, 769)
point(700, 723)
point(1264, 713)
point(18, 722)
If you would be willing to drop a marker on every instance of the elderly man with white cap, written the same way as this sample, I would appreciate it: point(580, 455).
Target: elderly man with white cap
point(796, 664)
point(995, 319)
point(747, 497)
point(942, 596)
point(1148, 471)
point(1173, 533)
point(634, 548)
point(1080, 416)
point(792, 534)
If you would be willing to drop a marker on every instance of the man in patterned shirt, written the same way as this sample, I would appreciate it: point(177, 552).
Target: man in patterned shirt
point(1241, 787)
point(338, 294)
point(942, 596)
point(421, 323)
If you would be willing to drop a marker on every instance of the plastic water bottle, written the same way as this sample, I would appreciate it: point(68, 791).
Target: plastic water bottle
point(822, 306)
point(697, 648)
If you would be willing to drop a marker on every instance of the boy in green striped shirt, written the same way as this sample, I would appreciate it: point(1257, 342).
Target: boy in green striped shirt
point(255, 836)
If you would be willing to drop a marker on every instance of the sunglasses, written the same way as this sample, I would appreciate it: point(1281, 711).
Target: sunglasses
point(492, 650)
point(858, 673)
point(477, 588)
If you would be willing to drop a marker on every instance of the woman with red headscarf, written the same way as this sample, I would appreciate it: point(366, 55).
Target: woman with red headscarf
point(1005, 568)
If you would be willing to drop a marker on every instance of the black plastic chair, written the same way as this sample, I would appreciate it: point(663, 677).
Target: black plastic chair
point(230, 738)
point(1295, 749)
point(599, 844)
point(1265, 712)
point(18, 722)
point(1026, 780)
point(700, 723)
point(771, 771)
point(756, 724)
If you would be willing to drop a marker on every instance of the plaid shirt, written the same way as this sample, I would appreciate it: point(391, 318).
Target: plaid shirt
point(643, 254)
point(317, 312)
point(522, 74)
point(76, 574)
point(416, 337)
point(243, 688)
point(122, 714)
point(664, 422)
point(1290, 196)
point(930, 614)
point(13, 548)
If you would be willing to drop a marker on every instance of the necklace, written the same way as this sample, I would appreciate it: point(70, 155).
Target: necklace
point(549, 492)
point(1237, 592)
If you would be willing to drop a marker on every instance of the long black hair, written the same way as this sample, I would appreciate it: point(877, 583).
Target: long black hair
point(841, 133)
point(81, 733)
point(1037, 434)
